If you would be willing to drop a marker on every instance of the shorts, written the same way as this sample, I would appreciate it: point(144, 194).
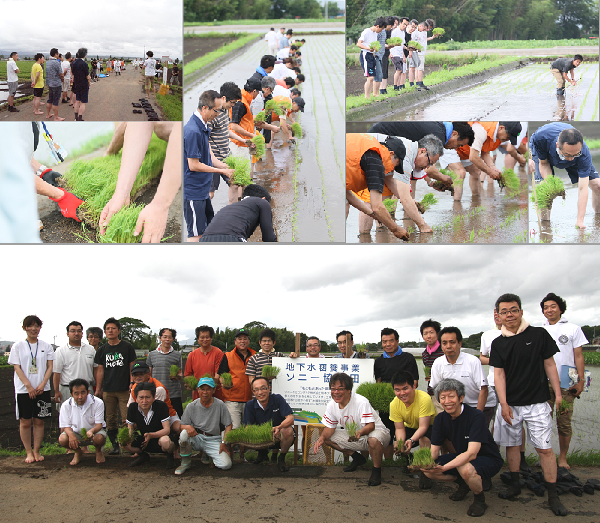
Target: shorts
point(411, 432)
point(40, 407)
point(399, 63)
point(367, 62)
point(277, 444)
point(54, 95)
point(419, 61)
point(149, 81)
point(484, 466)
point(177, 405)
point(539, 423)
point(378, 72)
point(340, 438)
point(38, 92)
point(66, 84)
point(217, 180)
point(563, 421)
point(449, 156)
point(414, 60)
point(198, 214)
point(221, 238)
point(12, 88)
point(101, 432)
point(81, 95)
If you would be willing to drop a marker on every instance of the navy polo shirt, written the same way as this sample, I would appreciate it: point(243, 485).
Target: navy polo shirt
point(196, 185)
point(277, 410)
point(543, 146)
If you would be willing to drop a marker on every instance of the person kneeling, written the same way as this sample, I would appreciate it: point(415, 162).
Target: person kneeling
point(476, 458)
point(201, 428)
point(82, 411)
point(151, 418)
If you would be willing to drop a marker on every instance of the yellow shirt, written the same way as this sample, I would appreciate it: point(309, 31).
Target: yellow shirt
point(34, 70)
point(421, 407)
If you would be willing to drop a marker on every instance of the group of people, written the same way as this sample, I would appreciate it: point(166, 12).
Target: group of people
point(222, 126)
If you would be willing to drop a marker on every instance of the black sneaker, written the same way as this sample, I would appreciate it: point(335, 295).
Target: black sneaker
point(357, 460)
point(423, 86)
point(375, 478)
point(461, 492)
point(556, 506)
point(281, 465)
point(510, 492)
point(383, 91)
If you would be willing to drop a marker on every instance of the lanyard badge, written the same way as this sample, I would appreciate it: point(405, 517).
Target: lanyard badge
point(57, 152)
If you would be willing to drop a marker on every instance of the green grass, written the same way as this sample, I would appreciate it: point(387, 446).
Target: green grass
point(171, 105)
point(592, 143)
point(92, 145)
point(433, 59)
point(209, 58)
point(241, 165)
point(215, 34)
point(259, 141)
point(513, 44)
point(277, 23)
point(546, 191)
point(591, 358)
point(24, 73)
point(434, 78)
point(253, 434)
point(270, 371)
point(122, 226)
point(380, 395)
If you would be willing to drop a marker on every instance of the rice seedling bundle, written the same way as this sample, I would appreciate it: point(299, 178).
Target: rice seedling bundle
point(375, 46)
point(270, 371)
point(390, 204)
point(414, 45)
point(380, 395)
point(241, 166)
point(396, 40)
point(439, 31)
point(227, 381)
point(562, 408)
point(191, 382)
point(84, 434)
point(252, 435)
point(352, 428)
point(296, 130)
point(273, 106)
point(259, 141)
point(427, 371)
point(422, 459)
point(400, 445)
point(124, 438)
point(428, 200)
point(173, 371)
point(261, 117)
point(510, 180)
point(546, 191)
point(455, 179)
point(122, 226)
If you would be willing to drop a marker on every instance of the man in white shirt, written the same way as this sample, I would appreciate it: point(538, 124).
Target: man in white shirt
point(367, 57)
point(397, 54)
point(12, 72)
point(66, 84)
point(570, 339)
point(82, 411)
point(352, 424)
point(117, 67)
point(149, 71)
point(73, 360)
point(271, 39)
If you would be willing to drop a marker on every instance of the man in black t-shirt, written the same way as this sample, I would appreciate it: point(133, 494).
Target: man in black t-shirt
point(523, 363)
point(475, 458)
point(113, 378)
point(81, 83)
point(560, 67)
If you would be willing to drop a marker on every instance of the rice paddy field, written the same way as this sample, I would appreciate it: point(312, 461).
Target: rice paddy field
point(306, 180)
point(528, 93)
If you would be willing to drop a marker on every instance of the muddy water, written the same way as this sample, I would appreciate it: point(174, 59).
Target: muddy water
point(525, 94)
point(491, 217)
point(561, 226)
point(306, 179)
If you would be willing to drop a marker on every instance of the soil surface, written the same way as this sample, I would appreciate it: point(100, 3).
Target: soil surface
point(110, 99)
point(355, 81)
point(197, 47)
point(256, 493)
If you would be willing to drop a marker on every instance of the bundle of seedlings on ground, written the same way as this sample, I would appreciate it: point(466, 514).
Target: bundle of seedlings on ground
point(428, 200)
point(241, 166)
point(124, 438)
point(296, 130)
point(95, 180)
point(122, 226)
point(562, 407)
point(421, 459)
point(191, 382)
point(380, 395)
point(352, 428)
point(270, 372)
point(261, 117)
point(414, 45)
point(226, 380)
point(396, 40)
point(375, 46)
point(173, 371)
point(546, 191)
point(390, 205)
point(259, 141)
point(510, 180)
point(253, 436)
point(439, 31)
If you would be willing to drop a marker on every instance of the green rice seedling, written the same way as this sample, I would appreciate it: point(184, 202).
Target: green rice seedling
point(122, 226)
point(396, 40)
point(510, 180)
point(270, 371)
point(259, 141)
point(173, 371)
point(251, 434)
point(84, 434)
point(562, 408)
point(414, 45)
point(375, 46)
point(124, 438)
point(226, 380)
point(472, 235)
point(439, 31)
point(428, 200)
point(456, 180)
point(191, 382)
point(296, 130)
point(380, 395)
point(390, 205)
point(260, 117)
point(400, 445)
point(422, 459)
point(187, 403)
point(352, 428)
point(427, 371)
point(546, 191)
point(273, 106)
point(241, 166)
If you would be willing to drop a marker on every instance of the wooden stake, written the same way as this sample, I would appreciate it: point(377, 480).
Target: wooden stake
point(349, 345)
point(297, 346)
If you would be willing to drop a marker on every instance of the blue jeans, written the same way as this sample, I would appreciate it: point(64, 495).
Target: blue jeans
point(378, 70)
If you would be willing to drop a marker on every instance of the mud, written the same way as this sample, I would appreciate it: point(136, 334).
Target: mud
point(197, 47)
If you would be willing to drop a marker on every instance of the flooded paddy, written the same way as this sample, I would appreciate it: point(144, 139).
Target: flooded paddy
point(306, 180)
point(528, 93)
point(490, 217)
point(242, 28)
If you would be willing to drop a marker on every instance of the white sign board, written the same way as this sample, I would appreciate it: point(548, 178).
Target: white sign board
point(304, 382)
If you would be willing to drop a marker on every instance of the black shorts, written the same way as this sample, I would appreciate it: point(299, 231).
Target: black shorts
point(220, 238)
point(197, 214)
point(81, 94)
point(40, 407)
point(411, 432)
point(277, 444)
point(367, 62)
point(485, 467)
point(38, 92)
point(177, 405)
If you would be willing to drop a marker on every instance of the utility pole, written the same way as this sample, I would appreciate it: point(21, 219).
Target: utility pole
point(326, 9)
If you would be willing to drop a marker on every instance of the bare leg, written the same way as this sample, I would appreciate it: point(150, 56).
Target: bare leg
point(461, 173)
point(474, 182)
point(25, 433)
point(548, 463)
point(365, 223)
point(563, 442)
point(376, 88)
point(99, 442)
point(368, 86)
point(375, 451)
point(38, 437)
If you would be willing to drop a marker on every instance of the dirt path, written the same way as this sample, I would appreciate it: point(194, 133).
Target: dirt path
point(114, 492)
point(109, 100)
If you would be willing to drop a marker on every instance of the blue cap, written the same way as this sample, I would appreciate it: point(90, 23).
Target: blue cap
point(206, 381)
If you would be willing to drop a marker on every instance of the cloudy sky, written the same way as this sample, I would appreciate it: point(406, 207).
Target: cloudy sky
point(107, 27)
point(318, 290)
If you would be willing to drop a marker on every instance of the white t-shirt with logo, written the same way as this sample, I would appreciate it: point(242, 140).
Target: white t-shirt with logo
point(567, 336)
point(150, 66)
point(20, 354)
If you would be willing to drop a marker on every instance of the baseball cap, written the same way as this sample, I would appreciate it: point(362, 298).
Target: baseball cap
point(513, 129)
point(242, 332)
point(396, 146)
point(252, 84)
point(140, 367)
point(206, 381)
point(299, 101)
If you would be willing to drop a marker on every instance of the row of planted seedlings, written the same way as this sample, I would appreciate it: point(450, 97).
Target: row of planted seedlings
point(591, 88)
point(94, 181)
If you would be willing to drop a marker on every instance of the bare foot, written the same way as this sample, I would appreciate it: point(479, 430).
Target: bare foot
point(38, 112)
point(100, 457)
point(76, 458)
point(85, 450)
point(58, 119)
point(48, 116)
point(29, 458)
point(70, 451)
point(564, 464)
point(38, 456)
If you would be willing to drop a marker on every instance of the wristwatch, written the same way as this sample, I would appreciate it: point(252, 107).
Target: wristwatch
point(411, 441)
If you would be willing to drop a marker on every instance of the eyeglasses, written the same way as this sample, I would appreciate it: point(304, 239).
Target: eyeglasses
point(261, 389)
point(513, 312)
point(312, 345)
point(338, 390)
point(566, 155)
point(428, 159)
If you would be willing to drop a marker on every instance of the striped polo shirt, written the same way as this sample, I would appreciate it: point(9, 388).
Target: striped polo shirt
point(161, 369)
point(219, 135)
point(428, 360)
point(259, 360)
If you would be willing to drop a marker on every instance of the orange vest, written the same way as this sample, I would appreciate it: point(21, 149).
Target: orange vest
point(489, 145)
point(241, 390)
point(172, 411)
point(365, 194)
point(247, 122)
point(274, 115)
point(356, 146)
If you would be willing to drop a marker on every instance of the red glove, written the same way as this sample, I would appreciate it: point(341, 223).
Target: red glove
point(68, 204)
